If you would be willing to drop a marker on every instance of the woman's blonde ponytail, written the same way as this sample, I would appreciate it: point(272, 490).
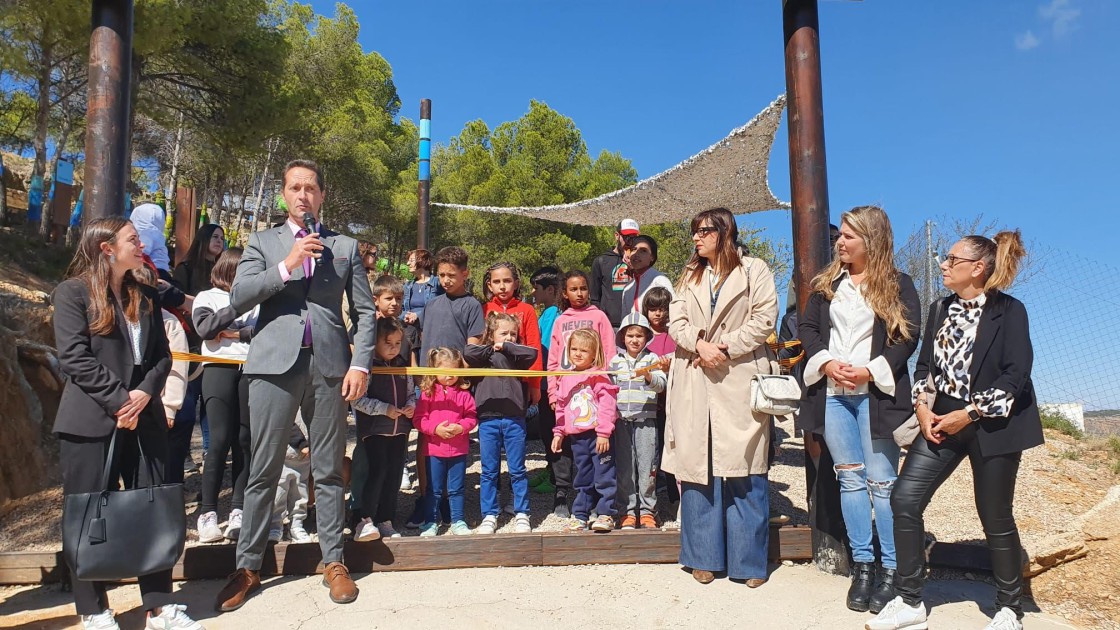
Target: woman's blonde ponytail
point(1009, 253)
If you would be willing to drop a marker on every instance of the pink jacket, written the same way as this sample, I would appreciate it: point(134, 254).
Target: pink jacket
point(568, 321)
point(585, 403)
point(453, 406)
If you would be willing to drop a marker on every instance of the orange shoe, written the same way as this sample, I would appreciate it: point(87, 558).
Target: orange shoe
point(629, 522)
point(648, 521)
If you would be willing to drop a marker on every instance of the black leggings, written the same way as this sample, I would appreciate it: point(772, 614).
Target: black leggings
point(559, 464)
point(225, 393)
point(385, 454)
point(927, 466)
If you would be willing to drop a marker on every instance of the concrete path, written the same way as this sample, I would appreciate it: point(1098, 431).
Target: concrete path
point(538, 598)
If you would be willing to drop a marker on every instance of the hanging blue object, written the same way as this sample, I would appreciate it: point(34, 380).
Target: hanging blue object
point(76, 216)
point(35, 200)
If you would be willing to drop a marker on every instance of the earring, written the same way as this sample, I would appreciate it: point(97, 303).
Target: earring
point(112, 259)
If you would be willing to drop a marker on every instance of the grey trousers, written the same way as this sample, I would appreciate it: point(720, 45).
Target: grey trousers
point(635, 466)
point(273, 401)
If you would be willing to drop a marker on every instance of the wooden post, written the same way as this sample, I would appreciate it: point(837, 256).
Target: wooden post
point(809, 191)
point(110, 70)
point(424, 187)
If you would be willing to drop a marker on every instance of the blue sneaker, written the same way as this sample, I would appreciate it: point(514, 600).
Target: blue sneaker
point(460, 528)
point(427, 530)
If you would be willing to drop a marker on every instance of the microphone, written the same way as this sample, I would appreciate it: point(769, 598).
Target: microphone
point(308, 222)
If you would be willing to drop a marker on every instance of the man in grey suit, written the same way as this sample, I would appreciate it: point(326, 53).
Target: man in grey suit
point(300, 358)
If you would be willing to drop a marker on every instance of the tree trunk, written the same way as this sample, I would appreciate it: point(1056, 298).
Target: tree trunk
point(42, 122)
point(173, 185)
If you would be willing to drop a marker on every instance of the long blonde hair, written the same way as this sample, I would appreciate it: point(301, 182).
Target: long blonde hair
point(1001, 256)
point(880, 288)
point(444, 357)
point(589, 335)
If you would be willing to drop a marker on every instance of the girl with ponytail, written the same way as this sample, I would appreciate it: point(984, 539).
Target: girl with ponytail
point(973, 398)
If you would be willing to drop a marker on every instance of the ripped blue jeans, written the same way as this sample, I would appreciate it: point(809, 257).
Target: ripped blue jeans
point(866, 469)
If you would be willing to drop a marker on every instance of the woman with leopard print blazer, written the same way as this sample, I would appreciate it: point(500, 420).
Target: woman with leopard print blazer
point(977, 351)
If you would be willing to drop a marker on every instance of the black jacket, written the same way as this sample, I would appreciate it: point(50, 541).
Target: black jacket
point(602, 290)
point(500, 396)
point(98, 369)
point(1001, 358)
point(887, 412)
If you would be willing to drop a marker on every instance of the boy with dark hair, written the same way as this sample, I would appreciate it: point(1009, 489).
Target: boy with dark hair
point(557, 477)
point(643, 273)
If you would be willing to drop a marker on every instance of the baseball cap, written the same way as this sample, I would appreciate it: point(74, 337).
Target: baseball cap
point(628, 227)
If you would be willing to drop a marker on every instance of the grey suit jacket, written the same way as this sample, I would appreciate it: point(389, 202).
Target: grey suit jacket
point(285, 305)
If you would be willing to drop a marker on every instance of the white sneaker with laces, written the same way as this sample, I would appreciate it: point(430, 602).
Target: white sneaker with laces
point(898, 615)
point(1005, 619)
point(385, 528)
point(367, 531)
point(406, 480)
point(298, 534)
point(103, 620)
point(489, 525)
point(233, 528)
point(172, 617)
point(208, 530)
point(521, 524)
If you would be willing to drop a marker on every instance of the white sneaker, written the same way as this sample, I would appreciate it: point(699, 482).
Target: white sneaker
point(208, 530)
point(406, 480)
point(385, 528)
point(233, 528)
point(521, 524)
point(298, 534)
point(275, 534)
point(1005, 619)
point(172, 617)
point(367, 531)
point(489, 525)
point(103, 620)
point(898, 615)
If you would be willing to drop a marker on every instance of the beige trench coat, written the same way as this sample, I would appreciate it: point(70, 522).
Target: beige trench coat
point(744, 317)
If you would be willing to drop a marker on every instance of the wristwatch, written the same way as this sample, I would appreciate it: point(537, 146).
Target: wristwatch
point(974, 414)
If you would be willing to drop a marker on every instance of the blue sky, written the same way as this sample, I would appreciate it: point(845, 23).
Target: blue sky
point(936, 110)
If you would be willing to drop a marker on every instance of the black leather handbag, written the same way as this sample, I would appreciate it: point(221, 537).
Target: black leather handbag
point(118, 534)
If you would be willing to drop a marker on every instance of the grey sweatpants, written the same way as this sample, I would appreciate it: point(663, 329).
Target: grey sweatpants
point(291, 493)
point(635, 467)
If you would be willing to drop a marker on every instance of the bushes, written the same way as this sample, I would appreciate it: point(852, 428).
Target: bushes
point(1061, 424)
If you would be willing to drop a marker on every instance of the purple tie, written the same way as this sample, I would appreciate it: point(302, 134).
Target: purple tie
point(307, 283)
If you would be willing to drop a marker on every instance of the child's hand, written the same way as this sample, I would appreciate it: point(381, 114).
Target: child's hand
point(305, 452)
point(532, 411)
point(444, 431)
point(408, 411)
point(602, 445)
point(393, 412)
point(649, 377)
point(456, 429)
point(663, 362)
point(557, 443)
point(497, 346)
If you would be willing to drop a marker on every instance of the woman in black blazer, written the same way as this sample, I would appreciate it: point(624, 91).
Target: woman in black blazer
point(858, 330)
point(974, 398)
point(113, 352)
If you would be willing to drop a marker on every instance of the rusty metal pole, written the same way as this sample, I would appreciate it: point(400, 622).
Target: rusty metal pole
point(809, 190)
point(424, 187)
point(110, 72)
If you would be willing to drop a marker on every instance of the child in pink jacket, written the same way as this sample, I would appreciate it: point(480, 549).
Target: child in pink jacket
point(577, 313)
point(446, 415)
point(586, 410)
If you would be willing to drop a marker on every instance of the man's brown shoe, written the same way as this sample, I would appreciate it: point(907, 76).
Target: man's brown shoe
point(242, 583)
point(336, 577)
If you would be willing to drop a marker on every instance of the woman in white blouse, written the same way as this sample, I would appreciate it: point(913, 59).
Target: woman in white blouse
point(859, 329)
point(974, 398)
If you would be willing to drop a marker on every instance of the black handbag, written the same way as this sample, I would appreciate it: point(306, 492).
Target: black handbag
point(119, 534)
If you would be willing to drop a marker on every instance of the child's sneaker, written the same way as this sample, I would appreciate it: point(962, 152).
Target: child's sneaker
point(427, 530)
point(275, 534)
point(521, 524)
point(366, 531)
point(629, 522)
point(647, 522)
point(233, 528)
point(1005, 619)
point(602, 523)
point(460, 528)
point(560, 509)
point(298, 534)
point(671, 526)
point(575, 525)
point(103, 620)
point(208, 530)
point(172, 617)
point(385, 528)
point(489, 525)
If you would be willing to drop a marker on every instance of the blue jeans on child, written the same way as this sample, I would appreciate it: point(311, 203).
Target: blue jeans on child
point(862, 464)
point(725, 526)
point(594, 480)
point(447, 481)
point(493, 435)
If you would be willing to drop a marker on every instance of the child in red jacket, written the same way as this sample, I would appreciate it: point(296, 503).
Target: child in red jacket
point(446, 415)
point(501, 285)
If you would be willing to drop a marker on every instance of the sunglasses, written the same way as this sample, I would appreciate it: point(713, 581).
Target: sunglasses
point(704, 231)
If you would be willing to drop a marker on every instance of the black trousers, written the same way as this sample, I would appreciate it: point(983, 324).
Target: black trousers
point(225, 396)
point(927, 466)
point(81, 460)
point(179, 436)
point(385, 454)
point(559, 464)
point(671, 490)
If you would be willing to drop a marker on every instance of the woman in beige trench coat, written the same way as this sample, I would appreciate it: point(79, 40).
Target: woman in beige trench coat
point(726, 307)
